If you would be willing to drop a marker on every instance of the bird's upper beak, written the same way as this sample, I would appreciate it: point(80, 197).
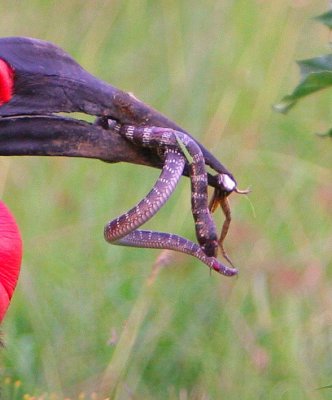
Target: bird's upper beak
point(39, 80)
point(47, 80)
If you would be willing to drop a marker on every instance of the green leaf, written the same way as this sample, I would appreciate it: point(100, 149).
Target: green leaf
point(183, 148)
point(325, 19)
point(317, 64)
point(316, 74)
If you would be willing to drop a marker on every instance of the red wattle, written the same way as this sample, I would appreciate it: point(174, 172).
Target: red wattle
point(6, 82)
point(10, 257)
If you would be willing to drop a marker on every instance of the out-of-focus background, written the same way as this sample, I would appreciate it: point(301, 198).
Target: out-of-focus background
point(89, 319)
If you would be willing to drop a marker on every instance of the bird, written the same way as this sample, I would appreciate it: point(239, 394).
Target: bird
point(38, 81)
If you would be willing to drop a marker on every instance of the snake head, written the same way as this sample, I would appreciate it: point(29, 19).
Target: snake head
point(223, 269)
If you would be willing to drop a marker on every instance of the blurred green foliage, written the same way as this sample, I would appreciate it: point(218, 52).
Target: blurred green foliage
point(316, 75)
point(92, 318)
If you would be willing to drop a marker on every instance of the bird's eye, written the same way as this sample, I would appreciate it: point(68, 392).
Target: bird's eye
point(6, 82)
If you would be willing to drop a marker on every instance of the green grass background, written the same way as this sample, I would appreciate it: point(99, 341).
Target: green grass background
point(90, 320)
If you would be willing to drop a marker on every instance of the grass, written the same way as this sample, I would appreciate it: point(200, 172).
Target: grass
point(90, 320)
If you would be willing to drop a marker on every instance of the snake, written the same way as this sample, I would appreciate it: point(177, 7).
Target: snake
point(124, 231)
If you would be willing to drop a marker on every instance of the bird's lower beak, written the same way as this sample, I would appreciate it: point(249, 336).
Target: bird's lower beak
point(63, 136)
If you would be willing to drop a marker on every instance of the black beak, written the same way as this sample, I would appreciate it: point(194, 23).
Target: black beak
point(48, 81)
point(60, 136)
